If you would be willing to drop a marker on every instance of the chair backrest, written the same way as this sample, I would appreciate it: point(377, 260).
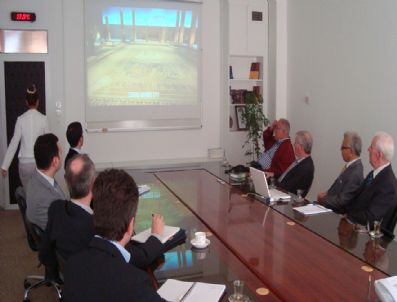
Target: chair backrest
point(21, 201)
point(390, 224)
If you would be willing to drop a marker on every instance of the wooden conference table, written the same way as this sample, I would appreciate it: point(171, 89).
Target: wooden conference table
point(264, 246)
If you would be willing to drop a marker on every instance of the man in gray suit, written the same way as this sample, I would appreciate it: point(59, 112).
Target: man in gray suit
point(42, 188)
point(350, 179)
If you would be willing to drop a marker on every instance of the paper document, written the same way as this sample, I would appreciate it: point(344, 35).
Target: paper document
point(181, 291)
point(312, 209)
point(169, 231)
point(142, 189)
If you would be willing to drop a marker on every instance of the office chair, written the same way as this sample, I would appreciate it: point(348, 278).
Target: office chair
point(34, 234)
point(390, 224)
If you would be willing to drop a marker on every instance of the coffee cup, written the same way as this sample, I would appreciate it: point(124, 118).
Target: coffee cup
point(200, 238)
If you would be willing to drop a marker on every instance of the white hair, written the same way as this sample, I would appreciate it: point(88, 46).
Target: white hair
point(384, 144)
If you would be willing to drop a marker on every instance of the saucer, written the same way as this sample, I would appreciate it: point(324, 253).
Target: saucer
point(200, 246)
point(244, 298)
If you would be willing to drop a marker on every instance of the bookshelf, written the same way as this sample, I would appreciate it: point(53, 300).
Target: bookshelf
point(242, 78)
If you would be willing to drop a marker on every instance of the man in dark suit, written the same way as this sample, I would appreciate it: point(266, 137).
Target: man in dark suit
point(102, 271)
point(70, 225)
point(74, 135)
point(344, 187)
point(299, 175)
point(42, 188)
point(376, 198)
point(279, 153)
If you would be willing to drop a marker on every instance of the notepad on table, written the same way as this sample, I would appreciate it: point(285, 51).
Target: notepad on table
point(312, 209)
point(177, 291)
point(169, 231)
point(142, 189)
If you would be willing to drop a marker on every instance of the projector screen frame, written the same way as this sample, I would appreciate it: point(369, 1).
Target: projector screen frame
point(186, 120)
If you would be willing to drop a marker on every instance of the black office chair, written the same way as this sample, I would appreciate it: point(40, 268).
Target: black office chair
point(34, 234)
point(389, 224)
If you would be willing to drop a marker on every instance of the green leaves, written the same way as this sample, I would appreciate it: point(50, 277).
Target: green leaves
point(255, 121)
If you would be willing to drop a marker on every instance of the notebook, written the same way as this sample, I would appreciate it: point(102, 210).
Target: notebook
point(262, 188)
point(169, 231)
point(312, 209)
point(175, 291)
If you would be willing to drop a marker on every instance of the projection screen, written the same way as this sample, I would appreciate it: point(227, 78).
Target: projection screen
point(142, 64)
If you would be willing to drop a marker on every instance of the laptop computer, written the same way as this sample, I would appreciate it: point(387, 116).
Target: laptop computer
point(262, 188)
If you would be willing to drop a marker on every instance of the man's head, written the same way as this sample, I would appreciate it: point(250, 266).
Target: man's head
point(281, 129)
point(303, 144)
point(74, 135)
point(351, 146)
point(115, 197)
point(381, 149)
point(80, 176)
point(47, 153)
point(32, 96)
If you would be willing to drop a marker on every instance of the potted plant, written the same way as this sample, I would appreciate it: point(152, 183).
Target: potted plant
point(254, 120)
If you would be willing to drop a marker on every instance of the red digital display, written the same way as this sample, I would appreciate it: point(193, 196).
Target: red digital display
point(20, 16)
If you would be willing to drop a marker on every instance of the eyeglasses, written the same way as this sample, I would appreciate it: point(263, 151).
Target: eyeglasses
point(344, 148)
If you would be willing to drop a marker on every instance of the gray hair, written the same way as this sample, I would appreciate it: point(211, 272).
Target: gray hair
point(304, 138)
point(354, 141)
point(285, 124)
point(384, 144)
point(79, 182)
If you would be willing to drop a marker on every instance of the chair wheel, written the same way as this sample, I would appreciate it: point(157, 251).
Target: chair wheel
point(26, 284)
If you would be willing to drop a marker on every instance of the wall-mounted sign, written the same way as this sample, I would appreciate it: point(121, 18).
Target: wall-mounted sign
point(21, 16)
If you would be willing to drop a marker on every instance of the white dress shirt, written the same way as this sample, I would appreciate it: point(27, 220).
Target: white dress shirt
point(28, 127)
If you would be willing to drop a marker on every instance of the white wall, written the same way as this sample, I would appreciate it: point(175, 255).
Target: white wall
point(342, 56)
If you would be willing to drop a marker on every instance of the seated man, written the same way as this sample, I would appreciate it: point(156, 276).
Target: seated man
point(345, 186)
point(101, 272)
point(42, 188)
point(279, 153)
point(376, 198)
point(299, 175)
point(70, 225)
point(74, 135)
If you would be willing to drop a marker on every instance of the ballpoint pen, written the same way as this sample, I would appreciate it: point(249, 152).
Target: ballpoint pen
point(181, 298)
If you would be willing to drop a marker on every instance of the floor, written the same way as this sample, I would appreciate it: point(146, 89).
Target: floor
point(17, 261)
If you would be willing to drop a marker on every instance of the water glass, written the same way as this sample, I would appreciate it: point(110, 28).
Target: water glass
point(238, 286)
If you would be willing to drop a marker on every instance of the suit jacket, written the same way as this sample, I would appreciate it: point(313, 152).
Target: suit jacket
point(283, 157)
point(70, 229)
point(39, 196)
point(376, 200)
point(344, 188)
point(100, 273)
point(299, 177)
point(70, 154)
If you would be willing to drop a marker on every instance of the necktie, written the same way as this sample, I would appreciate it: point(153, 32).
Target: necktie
point(369, 178)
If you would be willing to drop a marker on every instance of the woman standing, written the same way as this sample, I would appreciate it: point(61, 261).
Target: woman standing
point(28, 127)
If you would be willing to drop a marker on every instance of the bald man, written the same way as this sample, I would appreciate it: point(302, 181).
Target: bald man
point(70, 225)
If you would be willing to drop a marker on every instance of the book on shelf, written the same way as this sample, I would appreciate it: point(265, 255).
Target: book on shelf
point(169, 231)
point(254, 71)
point(175, 291)
point(237, 96)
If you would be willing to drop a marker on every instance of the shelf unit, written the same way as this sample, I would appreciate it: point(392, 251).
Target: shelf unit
point(240, 69)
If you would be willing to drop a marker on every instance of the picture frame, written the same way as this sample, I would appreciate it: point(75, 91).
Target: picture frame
point(240, 110)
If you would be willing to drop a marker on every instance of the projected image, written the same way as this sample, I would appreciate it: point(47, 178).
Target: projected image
point(142, 56)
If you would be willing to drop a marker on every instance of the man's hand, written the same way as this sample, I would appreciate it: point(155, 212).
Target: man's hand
point(157, 224)
point(321, 196)
point(269, 174)
point(274, 124)
point(4, 172)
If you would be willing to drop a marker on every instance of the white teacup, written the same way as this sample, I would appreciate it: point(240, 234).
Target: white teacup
point(200, 238)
